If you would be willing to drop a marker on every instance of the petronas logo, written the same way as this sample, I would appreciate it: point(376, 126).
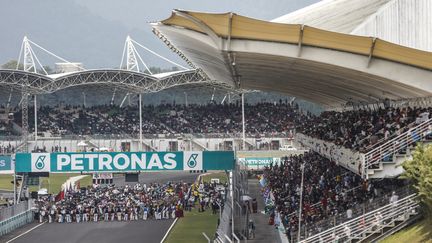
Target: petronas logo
point(40, 162)
point(192, 161)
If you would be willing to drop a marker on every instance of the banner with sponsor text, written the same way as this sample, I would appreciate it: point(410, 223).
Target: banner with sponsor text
point(124, 161)
point(6, 165)
point(259, 163)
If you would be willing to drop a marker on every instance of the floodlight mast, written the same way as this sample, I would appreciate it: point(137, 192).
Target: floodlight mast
point(28, 61)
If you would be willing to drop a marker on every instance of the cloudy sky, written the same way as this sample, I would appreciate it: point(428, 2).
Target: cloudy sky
point(93, 31)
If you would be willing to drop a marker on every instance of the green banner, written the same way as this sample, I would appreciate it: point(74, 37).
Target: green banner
point(259, 161)
point(124, 161)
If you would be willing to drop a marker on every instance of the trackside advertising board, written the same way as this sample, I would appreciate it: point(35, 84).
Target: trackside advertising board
point(259, 161)
point(124, 161)
point(6, 166)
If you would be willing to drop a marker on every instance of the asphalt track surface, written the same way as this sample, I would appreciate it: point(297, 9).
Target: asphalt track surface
point(150, 231)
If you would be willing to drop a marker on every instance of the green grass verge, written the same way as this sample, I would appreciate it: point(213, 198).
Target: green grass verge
point(419, 232)
point(53, 183)
point(189, 228)
point(222, 176)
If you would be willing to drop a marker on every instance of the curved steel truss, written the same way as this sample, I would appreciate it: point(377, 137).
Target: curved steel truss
point(131, 81)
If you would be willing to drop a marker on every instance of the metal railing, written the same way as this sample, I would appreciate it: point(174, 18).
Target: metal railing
point(396, 144)
point(370, 223)
point(358, 210)
point(153, 135)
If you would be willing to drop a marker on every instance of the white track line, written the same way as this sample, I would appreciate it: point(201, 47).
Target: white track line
point(166, 234)
point(25, 232)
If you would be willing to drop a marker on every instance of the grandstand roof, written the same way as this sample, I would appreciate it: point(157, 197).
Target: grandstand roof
point(130, 81)
point(321, 66)
point(335, 15)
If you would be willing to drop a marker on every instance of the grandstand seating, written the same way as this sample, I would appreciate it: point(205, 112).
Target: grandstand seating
point(329, 191)
point(162, 119)
point(359, 130)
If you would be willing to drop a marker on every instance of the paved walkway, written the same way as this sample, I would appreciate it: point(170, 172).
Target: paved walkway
point(263, 231)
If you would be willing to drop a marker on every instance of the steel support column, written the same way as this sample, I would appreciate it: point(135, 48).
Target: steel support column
point(243, 122)
point(24, 126)
point(35, 119)
point(140, 123)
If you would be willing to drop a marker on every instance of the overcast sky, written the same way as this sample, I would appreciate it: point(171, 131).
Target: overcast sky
point(93, 31)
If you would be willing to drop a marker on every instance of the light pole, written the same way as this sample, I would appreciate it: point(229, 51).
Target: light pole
point(35, 119)
point(84, 99)
point(243, 122)
point(302, 168)
point(140, 123)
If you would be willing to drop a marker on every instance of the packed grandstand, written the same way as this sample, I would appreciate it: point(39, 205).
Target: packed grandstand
point(355, 129)
point(298, 175)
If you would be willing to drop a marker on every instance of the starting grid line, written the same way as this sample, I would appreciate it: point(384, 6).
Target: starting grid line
point(169, 230)
point(28, 231)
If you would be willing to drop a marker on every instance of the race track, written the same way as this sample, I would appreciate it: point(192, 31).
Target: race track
point(150, 231)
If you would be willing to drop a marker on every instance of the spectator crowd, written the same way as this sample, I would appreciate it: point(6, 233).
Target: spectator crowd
point(109, 203)
point(328, 189)
point(361, 129)
point(162, 119)
point(356, 129)
point(128, 203)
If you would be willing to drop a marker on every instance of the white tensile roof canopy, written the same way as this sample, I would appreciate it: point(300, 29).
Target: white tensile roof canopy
point(327, 67)
point(336, 15)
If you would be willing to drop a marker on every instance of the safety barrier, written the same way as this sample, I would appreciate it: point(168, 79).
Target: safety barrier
point(8, 212)
point(370, 223)
point(392, 146)
point(16, 221)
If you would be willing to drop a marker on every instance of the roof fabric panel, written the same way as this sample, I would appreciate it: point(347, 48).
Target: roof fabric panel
point(217, 22)
point(253, 29)
point(248, 28)
point(402, 54)
point(332, 40)
point(180, 21)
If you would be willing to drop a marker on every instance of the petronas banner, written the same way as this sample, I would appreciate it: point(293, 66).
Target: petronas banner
point(124, 161)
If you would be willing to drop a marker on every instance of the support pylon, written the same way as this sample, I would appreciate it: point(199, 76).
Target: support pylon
point(131, 57)
point(28, 59)
point(24, 125)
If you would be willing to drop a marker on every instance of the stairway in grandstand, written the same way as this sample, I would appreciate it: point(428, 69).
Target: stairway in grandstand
point(250, 143)
point(193, 140)
point(386, 158)
point(374, 225)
